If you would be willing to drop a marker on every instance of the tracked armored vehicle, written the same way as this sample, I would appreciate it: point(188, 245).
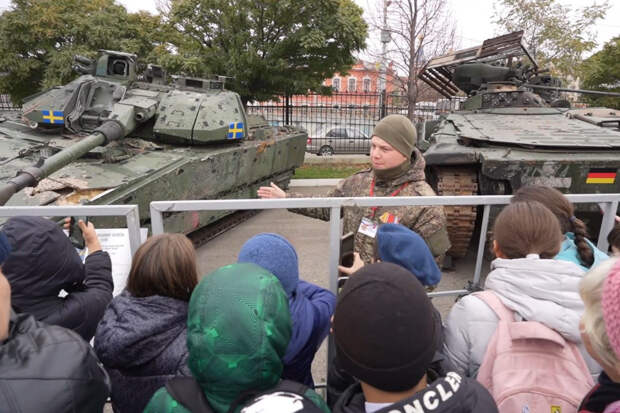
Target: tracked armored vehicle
point(113, 137)
point(513, 129)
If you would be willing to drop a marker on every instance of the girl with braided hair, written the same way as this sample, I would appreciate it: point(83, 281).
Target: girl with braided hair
point(528, 281)
point(576, 247)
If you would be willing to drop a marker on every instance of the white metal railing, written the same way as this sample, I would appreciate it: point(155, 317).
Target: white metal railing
point(130, 212)
point(607, 202)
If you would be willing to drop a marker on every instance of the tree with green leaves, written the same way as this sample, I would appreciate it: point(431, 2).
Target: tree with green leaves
point(556, 35)
point(38, 39)
point(268, 48)
point(601, 71)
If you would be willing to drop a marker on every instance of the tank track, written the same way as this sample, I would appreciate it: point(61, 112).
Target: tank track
point(205, 234)
point(461, 219)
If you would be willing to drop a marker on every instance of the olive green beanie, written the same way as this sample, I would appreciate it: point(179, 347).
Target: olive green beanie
point(398, 131)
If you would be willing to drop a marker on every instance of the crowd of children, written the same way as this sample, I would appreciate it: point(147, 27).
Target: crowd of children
point(542, 334)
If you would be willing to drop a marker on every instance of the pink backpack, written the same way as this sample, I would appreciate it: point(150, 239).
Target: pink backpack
point(529, 367)
point(612, 408)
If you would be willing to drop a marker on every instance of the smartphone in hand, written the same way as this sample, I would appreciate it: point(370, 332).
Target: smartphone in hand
point(346, 251)
point(75, 233)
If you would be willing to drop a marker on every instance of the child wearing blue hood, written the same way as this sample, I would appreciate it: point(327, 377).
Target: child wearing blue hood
point(311, 306)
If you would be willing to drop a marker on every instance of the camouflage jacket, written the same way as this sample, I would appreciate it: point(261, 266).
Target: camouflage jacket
point(428, 221)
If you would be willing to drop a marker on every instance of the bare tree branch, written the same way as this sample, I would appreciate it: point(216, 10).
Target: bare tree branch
point(420, 29)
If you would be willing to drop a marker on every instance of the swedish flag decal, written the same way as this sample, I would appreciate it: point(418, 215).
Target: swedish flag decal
point(235, 130)
point(55, 117)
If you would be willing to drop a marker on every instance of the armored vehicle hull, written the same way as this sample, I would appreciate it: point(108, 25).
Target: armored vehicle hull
point(497, 153)
point(507, 136)
point(143, 171)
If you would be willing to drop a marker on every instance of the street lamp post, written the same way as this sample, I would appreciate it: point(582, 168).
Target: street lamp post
point(385, 39)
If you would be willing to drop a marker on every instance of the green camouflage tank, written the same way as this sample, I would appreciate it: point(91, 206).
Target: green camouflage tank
point(114, 137)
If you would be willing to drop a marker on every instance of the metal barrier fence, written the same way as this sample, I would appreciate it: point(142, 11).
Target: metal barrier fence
point(344, 122)
point(130, 212)
point(608, 203)
point(6, 104)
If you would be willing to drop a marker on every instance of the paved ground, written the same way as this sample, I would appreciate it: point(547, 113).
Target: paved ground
point(310, 239)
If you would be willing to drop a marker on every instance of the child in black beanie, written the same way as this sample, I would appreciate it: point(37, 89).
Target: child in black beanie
point(386, 337)
point(398, 245)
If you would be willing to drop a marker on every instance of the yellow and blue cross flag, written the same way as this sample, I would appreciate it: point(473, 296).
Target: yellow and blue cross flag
point(55, 117)
point(235, 130)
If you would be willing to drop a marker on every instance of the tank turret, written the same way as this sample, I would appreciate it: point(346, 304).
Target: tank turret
point(113, 135)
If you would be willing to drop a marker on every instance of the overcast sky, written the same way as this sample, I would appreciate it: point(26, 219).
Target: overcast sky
point(472, 17)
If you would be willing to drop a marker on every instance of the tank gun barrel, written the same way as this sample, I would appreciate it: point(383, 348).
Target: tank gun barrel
point(125, 117)
point(562, 89)
point(30, 176)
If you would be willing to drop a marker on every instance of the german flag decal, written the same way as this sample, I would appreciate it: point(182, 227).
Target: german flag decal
point(601, 176)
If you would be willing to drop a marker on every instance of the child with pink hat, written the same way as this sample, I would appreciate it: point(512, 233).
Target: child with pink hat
point(600, 331)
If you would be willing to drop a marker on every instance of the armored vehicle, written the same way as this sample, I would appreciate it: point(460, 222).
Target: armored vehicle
point(513, 129)
point(112, 136)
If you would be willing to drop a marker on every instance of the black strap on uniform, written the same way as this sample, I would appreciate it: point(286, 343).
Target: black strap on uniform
point(189, 394)
point(291, 387)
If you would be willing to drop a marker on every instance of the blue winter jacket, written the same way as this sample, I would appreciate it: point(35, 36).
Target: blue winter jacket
point(568, 252)
point(311, 309)
point(142, 343)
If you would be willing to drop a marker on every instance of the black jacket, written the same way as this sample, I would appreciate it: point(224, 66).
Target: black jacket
point(453, 393)
point(47, 368)
point(42, 263)
point(604, 393)
point(142, 342)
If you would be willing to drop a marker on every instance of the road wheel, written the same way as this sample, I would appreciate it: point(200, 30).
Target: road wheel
point(326, 151)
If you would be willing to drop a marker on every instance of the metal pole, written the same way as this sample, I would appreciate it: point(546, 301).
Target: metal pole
point(133, 227)
point(481, 244)
point(609, 218)
point(157, 220)
point(334, 248)
point(334, 259)
point(287, 104)
point(385, 39)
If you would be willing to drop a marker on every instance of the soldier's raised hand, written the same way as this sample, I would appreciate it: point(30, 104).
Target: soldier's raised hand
point(271, 191)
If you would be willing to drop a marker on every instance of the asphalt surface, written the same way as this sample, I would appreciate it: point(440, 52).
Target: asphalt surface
point(311, 239)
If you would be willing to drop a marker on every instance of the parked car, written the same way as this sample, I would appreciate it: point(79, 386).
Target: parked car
point(338, 139)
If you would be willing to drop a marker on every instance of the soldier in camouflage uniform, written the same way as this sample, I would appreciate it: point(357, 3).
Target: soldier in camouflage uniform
point(397, 170)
